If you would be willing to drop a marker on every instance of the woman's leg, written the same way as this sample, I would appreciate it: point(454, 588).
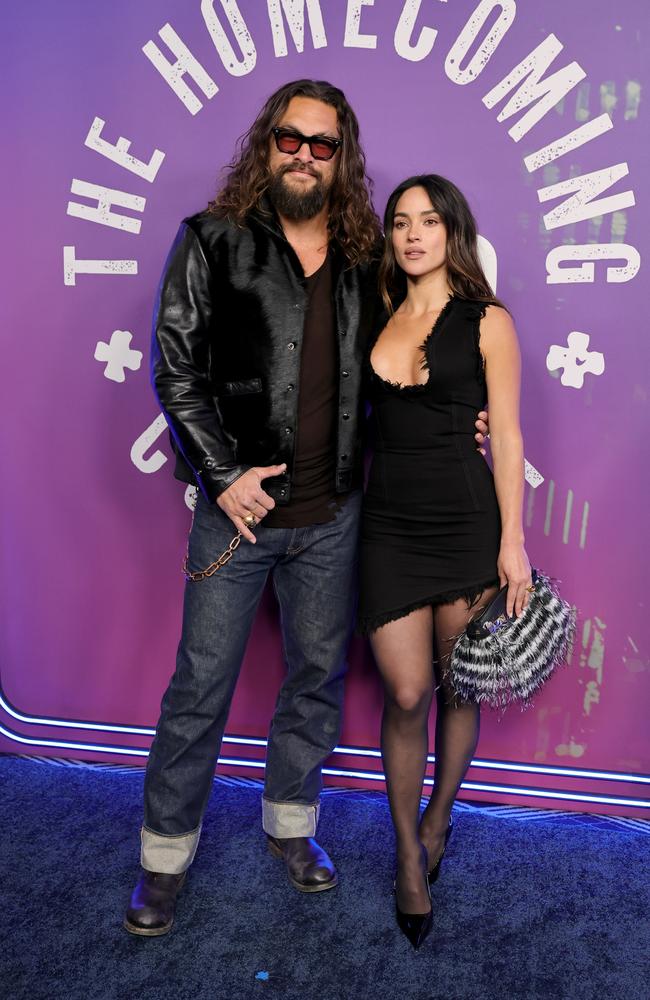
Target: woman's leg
point(457, 726)
point(403, 650)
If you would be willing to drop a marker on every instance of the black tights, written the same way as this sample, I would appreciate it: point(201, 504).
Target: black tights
point(403, 650)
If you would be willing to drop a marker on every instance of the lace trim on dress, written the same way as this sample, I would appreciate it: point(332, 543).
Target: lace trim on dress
point(424, 346)
point(475, 312)
point(470, 594)
point(416, 387)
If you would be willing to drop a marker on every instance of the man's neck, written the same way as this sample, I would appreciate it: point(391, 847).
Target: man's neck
point(309, 239)
point(309, 234)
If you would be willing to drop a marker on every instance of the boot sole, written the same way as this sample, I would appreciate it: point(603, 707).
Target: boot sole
point(148, 931)
point(300, 886)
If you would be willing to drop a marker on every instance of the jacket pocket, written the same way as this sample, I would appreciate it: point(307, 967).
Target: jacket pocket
point(242, 387)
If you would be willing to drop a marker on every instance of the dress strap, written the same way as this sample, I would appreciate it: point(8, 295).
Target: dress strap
point(473, 312)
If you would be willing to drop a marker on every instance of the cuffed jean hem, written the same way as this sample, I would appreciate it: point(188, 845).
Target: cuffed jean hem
point(289, 819)
point(168, 855)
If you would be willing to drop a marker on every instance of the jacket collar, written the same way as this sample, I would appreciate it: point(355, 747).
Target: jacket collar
point(264, 215)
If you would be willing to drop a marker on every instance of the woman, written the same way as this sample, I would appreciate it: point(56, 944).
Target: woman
point(439, 533)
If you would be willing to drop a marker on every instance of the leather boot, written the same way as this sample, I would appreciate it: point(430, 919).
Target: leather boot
point(153, 902)
point(308, 866)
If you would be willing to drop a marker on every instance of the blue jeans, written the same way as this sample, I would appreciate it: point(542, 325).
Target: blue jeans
point(314, 577)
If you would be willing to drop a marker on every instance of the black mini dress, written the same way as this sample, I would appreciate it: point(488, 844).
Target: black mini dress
point(430, 526)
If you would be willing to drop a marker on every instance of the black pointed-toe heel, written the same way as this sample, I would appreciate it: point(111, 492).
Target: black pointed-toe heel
point(432, 876)
point(415, 926)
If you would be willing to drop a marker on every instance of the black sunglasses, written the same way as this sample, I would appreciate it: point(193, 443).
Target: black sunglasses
point(321, 147)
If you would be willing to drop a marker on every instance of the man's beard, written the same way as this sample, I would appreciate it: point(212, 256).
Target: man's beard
point(295, 204)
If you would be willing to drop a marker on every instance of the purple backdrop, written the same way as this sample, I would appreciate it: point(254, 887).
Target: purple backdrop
point(94, 526)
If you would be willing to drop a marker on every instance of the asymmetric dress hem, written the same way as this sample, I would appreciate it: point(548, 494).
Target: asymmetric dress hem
point(470, 594)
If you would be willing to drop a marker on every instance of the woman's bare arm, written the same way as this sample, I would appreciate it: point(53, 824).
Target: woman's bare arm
point(500, 350)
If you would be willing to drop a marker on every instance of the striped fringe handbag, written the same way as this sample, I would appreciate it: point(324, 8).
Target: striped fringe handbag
point(500, 659)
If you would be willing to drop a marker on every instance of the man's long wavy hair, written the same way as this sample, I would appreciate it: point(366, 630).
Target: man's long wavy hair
point(464, 269)
point(352, 219)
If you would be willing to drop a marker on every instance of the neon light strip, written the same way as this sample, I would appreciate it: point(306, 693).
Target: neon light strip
point(491, 765)
point(365, 752)
point(96, 748)
point(70, 724)
point(366, 775)
point(513, 790)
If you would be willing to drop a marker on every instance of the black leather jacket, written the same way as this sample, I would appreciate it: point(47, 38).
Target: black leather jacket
point(227, 338)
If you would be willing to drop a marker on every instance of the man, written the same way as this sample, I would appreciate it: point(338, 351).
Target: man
point(258, 340)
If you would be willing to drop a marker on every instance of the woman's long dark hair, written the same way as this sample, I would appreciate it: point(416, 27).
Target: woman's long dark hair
point(464, 271)
point(353, 222)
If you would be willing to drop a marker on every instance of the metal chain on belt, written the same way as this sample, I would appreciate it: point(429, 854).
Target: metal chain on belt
point(220, 561)
point(225, 557)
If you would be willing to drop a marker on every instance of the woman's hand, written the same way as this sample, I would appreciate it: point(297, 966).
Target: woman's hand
point(514, 569)
point(482, 431)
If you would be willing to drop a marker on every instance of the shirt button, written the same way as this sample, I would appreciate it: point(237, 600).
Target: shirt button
point(209, 463)
point(345, 374)
point(289, 388)
point(346, 416)
point(287, 430)
point(344, 458)
point(291, 346)
point(283, 493)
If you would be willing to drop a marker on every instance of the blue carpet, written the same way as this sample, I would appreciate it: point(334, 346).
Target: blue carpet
point(530, 904)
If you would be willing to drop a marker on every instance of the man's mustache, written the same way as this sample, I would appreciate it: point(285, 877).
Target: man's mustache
point(303, 168)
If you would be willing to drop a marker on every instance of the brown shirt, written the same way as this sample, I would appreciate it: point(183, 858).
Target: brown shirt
point(313, 499)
